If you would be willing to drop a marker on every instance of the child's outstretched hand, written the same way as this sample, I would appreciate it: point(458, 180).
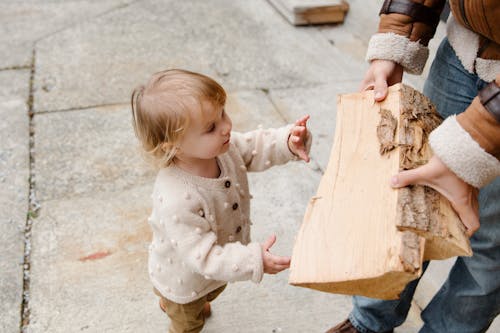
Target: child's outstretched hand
point(298, 138)
point(272, 263)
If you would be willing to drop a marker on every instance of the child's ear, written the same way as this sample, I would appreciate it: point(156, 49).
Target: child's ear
point(168, 146)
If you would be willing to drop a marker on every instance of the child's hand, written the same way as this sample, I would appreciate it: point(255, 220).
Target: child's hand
point(272, 263)
point(298, 138)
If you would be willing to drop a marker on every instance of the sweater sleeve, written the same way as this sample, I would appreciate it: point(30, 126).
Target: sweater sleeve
point(403, 38)
point(264, 148)
point(469, 144)
point(194, 240)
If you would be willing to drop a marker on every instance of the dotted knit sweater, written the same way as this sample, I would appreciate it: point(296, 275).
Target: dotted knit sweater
point(201, 226)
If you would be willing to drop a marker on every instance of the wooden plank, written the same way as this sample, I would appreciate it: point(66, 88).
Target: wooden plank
point(303, 12)
point(359, 236)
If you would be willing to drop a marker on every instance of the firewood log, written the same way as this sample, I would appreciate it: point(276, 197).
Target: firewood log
point(359, 236)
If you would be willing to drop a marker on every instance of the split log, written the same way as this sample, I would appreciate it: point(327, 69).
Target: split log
point(303, 12)
point(359, 236)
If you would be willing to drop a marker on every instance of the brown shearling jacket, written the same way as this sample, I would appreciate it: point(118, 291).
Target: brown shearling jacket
point(479, 16)
point(482, 125)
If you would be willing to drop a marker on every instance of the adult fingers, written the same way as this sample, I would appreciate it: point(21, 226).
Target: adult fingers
point(462, 196)
point(469, 218)
point(380, 87)
point(368, 82)
point(407, 177)
point(468, 211)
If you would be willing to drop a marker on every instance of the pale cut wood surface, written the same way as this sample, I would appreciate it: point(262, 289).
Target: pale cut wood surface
point(351, 240)
point(301, 12)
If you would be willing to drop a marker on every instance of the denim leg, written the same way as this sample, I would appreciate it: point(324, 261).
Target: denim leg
point(374, 315)
point(475, 280)
point(469, 300)
point(449, 86)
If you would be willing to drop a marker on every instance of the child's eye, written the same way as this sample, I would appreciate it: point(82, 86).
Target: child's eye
point(211, 128)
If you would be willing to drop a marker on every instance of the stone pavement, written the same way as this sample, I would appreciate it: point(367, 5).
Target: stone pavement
point(74, 192)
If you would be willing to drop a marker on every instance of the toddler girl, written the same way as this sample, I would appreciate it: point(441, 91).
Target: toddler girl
point(201, 203)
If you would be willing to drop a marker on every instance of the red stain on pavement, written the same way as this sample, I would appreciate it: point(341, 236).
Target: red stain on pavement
point(95, 256)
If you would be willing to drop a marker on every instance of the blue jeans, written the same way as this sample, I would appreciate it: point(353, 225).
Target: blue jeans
point(469, 300)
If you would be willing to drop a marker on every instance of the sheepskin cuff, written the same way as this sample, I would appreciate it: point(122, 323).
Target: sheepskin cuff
point(462, 155)
point(390, 46)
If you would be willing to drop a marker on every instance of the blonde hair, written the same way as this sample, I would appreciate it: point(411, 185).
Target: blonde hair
point(161, 109)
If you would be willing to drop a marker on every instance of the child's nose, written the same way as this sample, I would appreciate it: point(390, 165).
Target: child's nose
point(226, 128)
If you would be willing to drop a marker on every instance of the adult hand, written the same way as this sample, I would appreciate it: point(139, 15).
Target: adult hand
point(380, 75)
point(298, 138)
point(272, 263)
point(462, 196)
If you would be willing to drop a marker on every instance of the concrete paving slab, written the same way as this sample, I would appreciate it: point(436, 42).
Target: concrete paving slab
point(14, 188)
point(88, 262)
point(321, 103)
point(86, 151)
point(251, 108)
point(89, 269)
point(15, 55)
point(244, 44)
point(352, 36)
point(97, 257)
point(22, 23)
point(79, 152)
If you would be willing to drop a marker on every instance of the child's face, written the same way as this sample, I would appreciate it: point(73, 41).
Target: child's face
point(207, 136)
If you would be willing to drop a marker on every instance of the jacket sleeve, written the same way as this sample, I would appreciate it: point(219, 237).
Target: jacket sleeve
point(405, 29)
point(469, 144)
point(194, 240)
point(263, 148)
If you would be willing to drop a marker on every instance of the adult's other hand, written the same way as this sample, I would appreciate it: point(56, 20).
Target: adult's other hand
point(462, 196)
point(380, 75)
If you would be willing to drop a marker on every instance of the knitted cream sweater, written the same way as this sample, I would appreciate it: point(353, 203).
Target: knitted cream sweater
point(201, 226)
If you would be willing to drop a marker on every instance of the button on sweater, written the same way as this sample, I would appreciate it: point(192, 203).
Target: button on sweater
point(201, 226)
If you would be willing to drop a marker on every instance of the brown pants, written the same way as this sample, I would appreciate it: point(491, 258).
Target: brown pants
point(188, 318)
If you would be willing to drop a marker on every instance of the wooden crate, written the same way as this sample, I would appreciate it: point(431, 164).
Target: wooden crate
point(303, 12)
